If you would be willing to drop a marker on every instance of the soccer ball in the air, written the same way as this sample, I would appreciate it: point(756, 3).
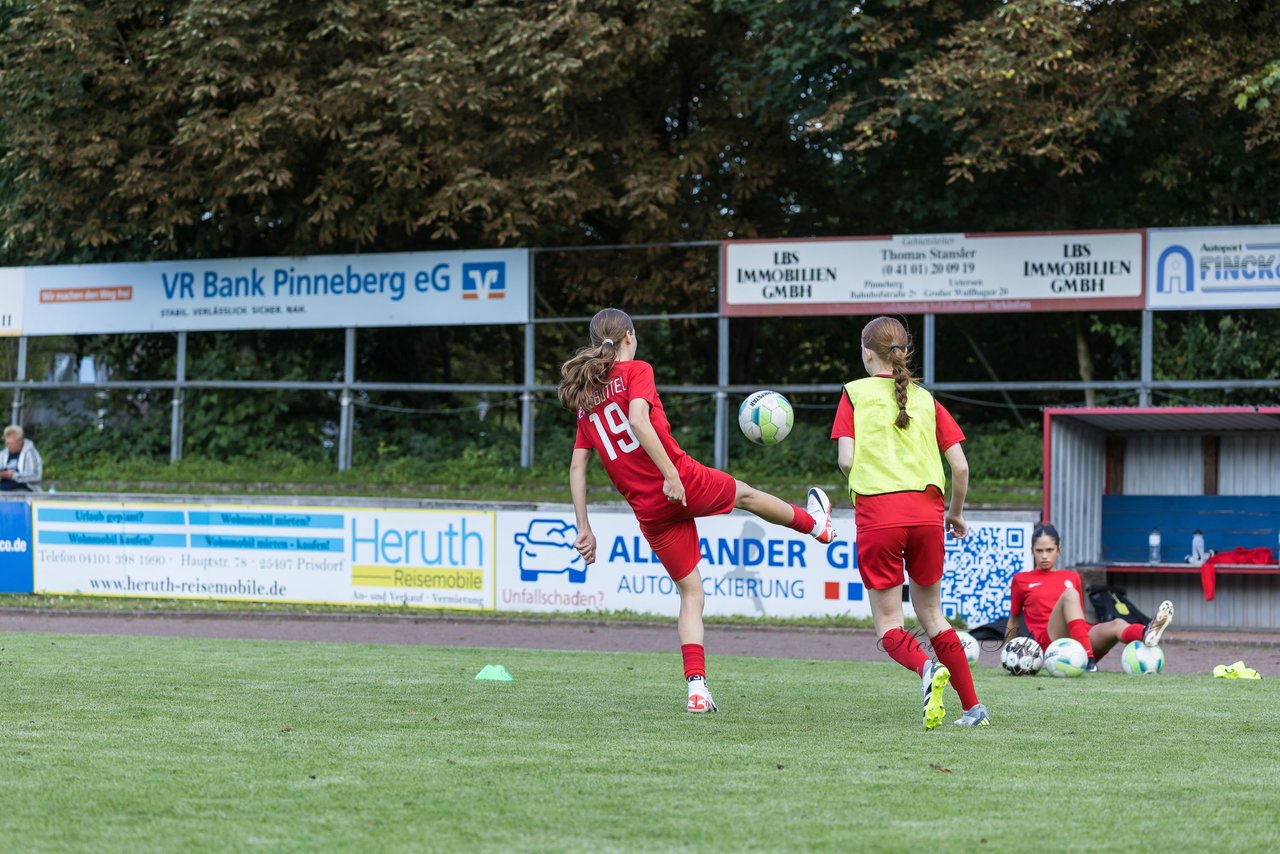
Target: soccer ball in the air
point(1022, 657)
point(1138, 659)
point(970, 644)
point(1065, 657)
point(766, 417)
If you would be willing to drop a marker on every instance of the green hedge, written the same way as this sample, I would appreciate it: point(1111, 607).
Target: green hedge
point(454, 450)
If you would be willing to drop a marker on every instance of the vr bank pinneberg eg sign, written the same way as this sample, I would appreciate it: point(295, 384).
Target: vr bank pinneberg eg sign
point(323, 291)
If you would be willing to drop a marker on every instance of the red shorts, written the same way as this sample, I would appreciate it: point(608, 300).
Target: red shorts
point(674, 538)
point(1042, 634)
point(883, 552)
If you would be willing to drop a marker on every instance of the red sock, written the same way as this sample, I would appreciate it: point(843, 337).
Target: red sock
point(801, 521)
point(902, 648)
point(1133, 632)
point(949, 650)
point(695, 660)
point(1080, 631)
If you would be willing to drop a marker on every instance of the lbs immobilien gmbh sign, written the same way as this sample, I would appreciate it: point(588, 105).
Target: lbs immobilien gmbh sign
point(935, 273)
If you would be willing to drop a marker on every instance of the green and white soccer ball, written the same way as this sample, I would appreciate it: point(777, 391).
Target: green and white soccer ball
point(1065, 657)
point(971, 648)
point(766, 417)
point(1138, 659)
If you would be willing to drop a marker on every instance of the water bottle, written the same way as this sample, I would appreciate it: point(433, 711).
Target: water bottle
point(1197, 555)
point(1153, 546)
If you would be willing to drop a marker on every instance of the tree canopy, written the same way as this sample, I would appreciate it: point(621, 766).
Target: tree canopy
point(192, 129)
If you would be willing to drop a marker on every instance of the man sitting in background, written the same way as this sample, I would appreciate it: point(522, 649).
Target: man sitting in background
point(20, 464)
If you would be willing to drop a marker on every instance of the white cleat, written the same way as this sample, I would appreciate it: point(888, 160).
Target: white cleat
point(976, 716)
point(700, 701)
point(819, 507)
point(1155, 628)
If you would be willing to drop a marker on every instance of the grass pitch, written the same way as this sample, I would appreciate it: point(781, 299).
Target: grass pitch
point(162, 744)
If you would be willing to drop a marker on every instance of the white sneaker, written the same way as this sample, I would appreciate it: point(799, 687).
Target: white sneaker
point(1156, 627)
point(700, 701)
point(819, 507)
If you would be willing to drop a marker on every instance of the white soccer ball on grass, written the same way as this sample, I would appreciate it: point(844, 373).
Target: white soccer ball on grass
point(1065, 657)
point(1022, 657)
point(972, 650)
point(1138, 659)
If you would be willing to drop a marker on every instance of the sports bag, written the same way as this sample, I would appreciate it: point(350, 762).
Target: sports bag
point(1112, 603)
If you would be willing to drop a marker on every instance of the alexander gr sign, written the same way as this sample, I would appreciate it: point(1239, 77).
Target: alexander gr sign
point(938, 273)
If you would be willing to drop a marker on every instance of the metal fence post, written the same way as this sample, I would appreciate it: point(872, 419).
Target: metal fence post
point(345, 425)
point(526, 394)
point(18, 401)
point(930, 339)
point(722, 397)
point(175, 423)
point(1146, 369)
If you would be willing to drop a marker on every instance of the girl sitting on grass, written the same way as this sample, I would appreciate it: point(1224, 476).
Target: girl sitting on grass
point(1050, 601)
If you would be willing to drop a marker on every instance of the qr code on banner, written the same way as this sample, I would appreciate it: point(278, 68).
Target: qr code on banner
point(975, 586)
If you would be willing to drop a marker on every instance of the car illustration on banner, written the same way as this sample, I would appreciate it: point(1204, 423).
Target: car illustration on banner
point(547, 547)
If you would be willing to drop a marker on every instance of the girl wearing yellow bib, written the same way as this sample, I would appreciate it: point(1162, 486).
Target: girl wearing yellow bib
point(891, 437)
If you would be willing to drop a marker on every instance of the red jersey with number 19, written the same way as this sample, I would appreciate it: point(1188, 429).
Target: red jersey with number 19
point(605, 429)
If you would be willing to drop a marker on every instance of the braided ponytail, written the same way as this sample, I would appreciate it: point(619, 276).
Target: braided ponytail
point(889, 340)
point(901, 379)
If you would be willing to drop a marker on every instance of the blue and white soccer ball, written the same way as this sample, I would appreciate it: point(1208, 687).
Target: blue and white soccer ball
point(1138, 659)
point(971, 648)
point(766, 417)
point(1022, 657)
point(1065, 657)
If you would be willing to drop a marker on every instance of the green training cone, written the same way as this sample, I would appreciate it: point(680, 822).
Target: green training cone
point(496, 673)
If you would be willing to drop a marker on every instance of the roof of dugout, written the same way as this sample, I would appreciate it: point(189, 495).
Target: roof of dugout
point(1180, 419)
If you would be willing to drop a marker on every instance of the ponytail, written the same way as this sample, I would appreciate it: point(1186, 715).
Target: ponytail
point(889, 340)
point(583, 377)
point(901, 381)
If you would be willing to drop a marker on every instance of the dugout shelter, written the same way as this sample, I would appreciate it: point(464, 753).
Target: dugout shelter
point(1112, 476)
